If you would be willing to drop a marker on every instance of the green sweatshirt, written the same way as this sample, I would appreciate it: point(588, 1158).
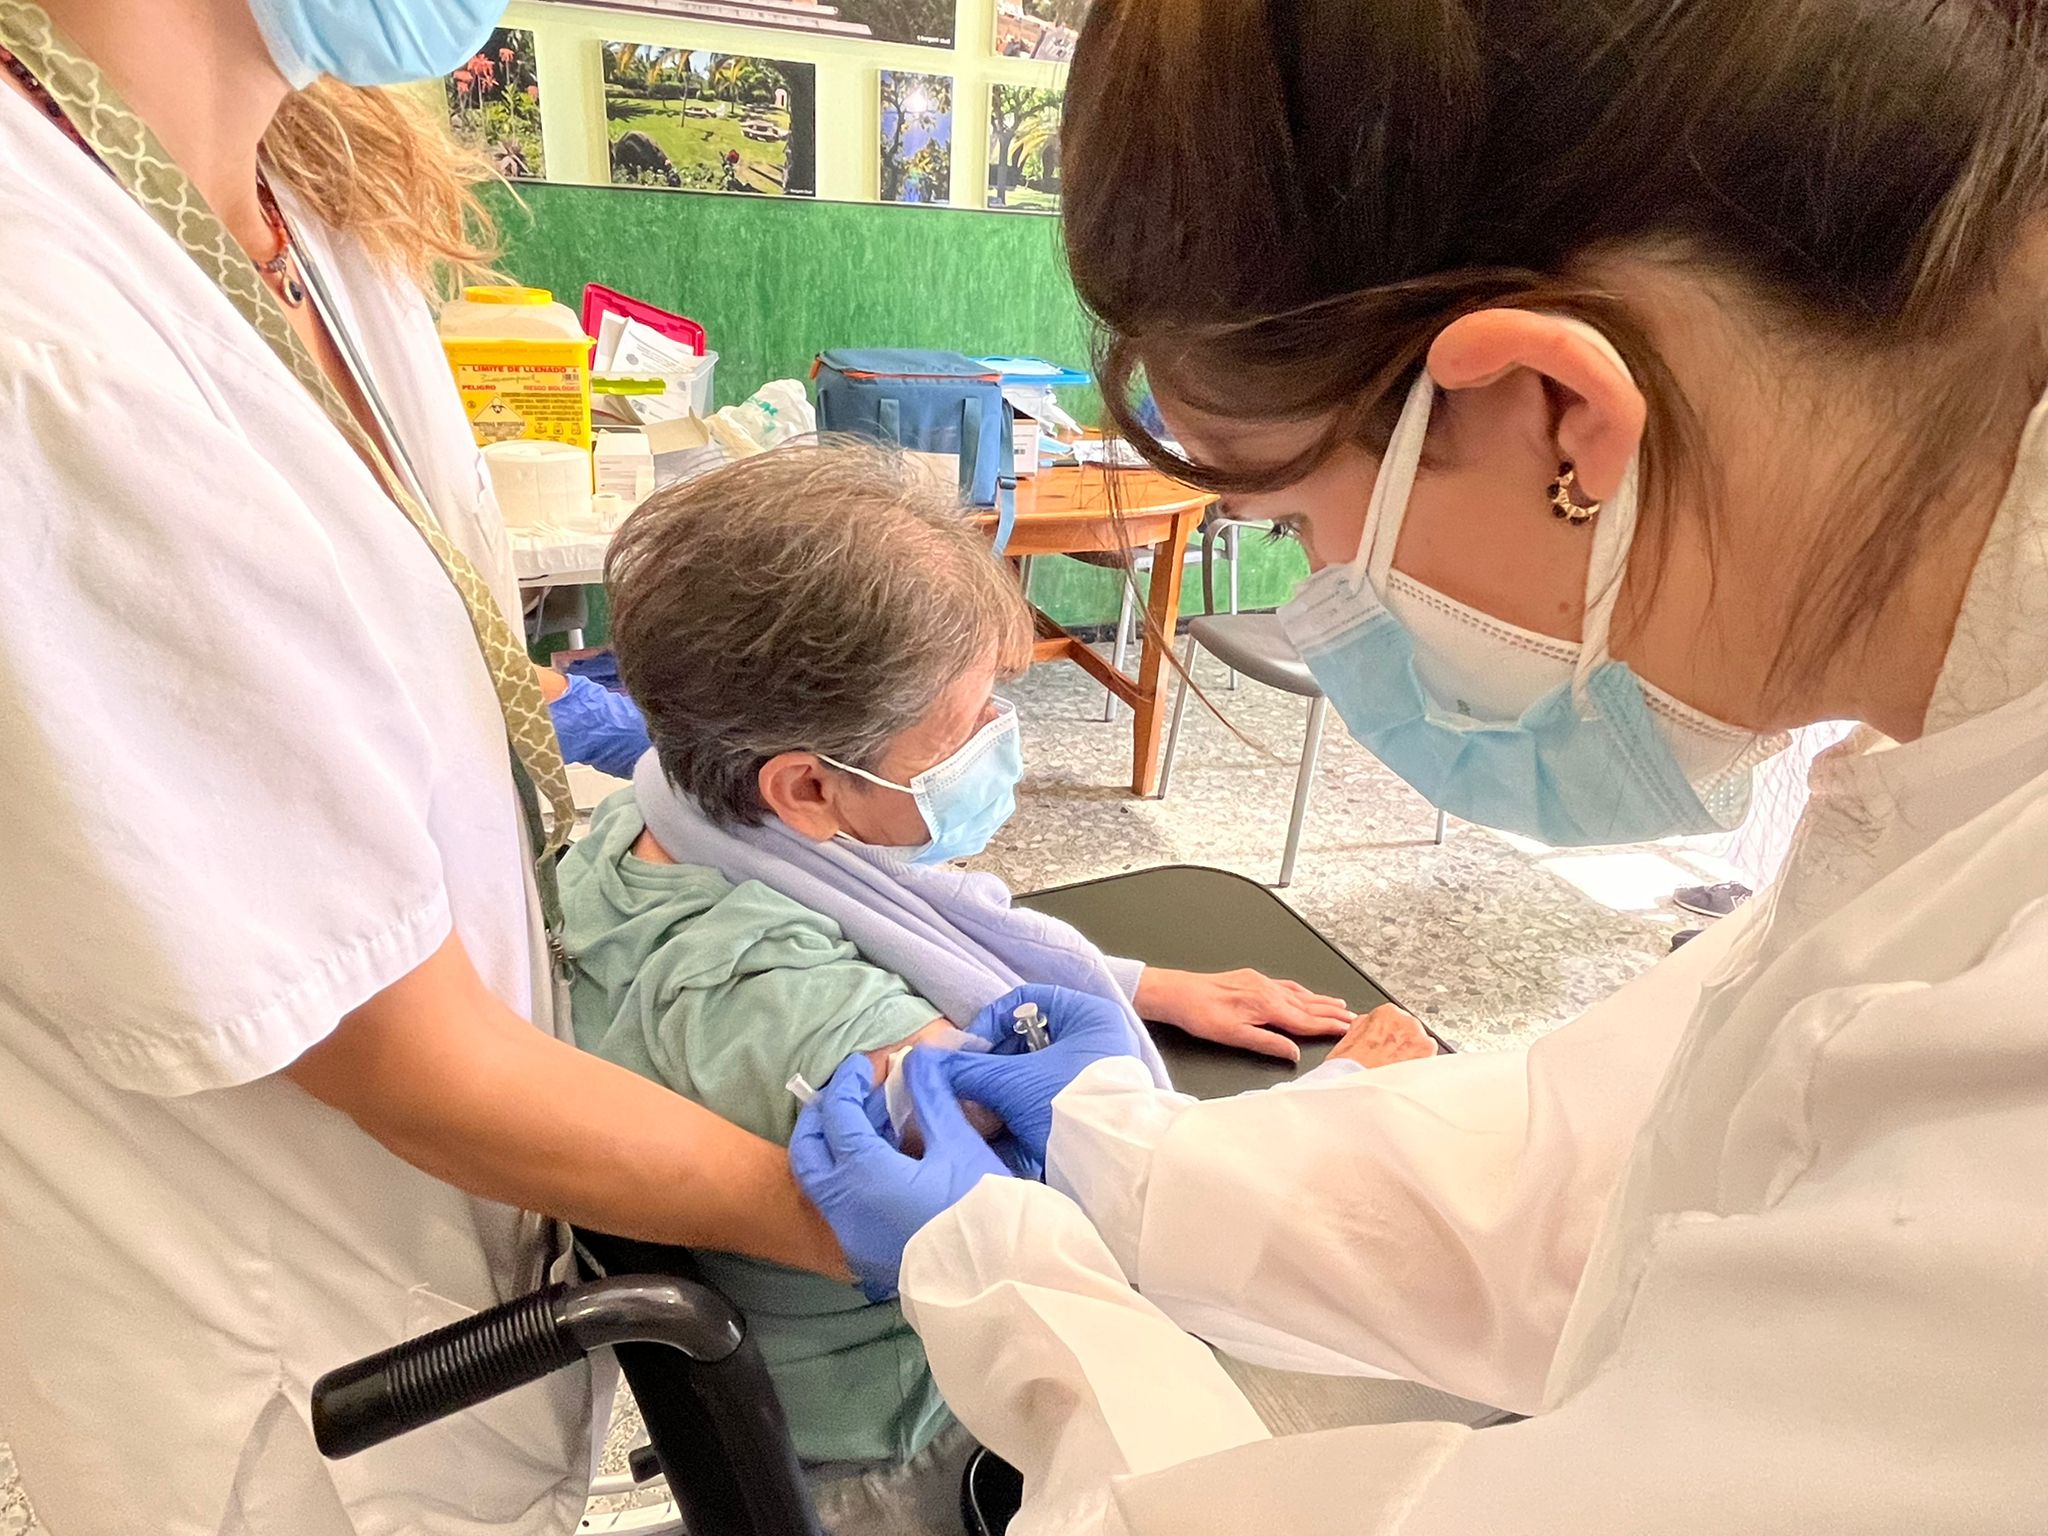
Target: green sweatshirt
point(721, 992)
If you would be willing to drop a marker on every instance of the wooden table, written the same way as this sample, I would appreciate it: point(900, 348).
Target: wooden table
point(1068, 511)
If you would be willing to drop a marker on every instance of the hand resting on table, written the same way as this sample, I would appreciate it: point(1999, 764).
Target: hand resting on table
point(1387, 1034)
point(1241, 1008)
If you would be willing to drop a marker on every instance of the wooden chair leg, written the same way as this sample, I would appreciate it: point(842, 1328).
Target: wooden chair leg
point(1126, 612)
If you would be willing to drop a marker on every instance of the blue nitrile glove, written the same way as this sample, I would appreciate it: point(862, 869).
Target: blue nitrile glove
point(1020, 1084)
point(874, 1197)
point(1014, 1154)
point(599, 727)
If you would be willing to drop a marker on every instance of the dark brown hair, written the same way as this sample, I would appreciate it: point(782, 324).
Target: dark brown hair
point(1313, 189)
point(816, 598)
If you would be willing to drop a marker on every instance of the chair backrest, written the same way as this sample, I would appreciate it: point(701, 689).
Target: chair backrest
point(1211, 527)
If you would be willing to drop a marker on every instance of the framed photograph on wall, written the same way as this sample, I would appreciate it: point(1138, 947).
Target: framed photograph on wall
point(1024, 148)
point(494, 104)
point(924, 23)
point(697, 121)
point(917, 137)
point(1039, 29)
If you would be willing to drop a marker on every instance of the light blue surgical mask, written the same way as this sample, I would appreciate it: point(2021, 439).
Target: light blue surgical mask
point(966, 798)
point(1514, 731)
point(373, 42)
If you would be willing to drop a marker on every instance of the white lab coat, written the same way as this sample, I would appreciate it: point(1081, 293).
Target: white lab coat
point(258, 772)
point(1761, 1242)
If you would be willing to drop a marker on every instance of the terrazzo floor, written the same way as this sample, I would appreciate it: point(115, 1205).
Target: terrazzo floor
point(1492, 939)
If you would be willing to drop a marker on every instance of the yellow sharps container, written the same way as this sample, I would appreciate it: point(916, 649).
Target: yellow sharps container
point(522, 364)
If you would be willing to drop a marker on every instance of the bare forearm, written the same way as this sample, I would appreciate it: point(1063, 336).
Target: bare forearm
point(1156, 992)
point(446, 1077)
point(604, 1148)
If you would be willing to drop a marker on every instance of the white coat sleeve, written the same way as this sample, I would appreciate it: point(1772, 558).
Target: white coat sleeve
point(1078, 1381)
point(1459, 1195)
point(1858, 1348)
point(224, 781)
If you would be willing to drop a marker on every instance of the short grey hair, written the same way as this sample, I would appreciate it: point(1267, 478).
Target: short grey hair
point(816, 598)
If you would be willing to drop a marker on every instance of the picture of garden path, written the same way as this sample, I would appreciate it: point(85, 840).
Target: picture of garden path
point(693, 120)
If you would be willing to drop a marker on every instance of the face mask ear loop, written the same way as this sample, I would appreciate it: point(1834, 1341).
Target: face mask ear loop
point(1391, 488)
point(862, 773)
point(1614, 535)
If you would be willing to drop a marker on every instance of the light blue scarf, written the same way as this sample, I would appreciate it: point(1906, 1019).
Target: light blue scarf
point(952, 934)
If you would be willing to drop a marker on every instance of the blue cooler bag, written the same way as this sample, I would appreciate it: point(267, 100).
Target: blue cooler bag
point(927, 402)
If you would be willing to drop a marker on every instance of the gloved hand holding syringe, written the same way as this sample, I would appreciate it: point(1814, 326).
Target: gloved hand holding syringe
point(1027, 1023)
point(873, 1194)
point(1035, 1054)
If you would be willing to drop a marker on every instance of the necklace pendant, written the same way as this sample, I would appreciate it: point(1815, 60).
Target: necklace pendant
point(291, 289)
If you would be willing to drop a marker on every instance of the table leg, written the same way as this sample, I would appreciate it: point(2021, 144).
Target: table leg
point(1148, 712)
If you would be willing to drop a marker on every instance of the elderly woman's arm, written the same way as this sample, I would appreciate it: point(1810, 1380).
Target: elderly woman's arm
point(443, 1074)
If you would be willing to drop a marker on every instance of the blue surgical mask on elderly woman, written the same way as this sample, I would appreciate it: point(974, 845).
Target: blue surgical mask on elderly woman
point(1513, 730)
point(373, 42)
point(966, 798)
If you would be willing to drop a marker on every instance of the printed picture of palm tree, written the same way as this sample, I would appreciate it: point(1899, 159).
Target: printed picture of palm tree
point(1039, 29)
point(927, 23)
point(1024, 148)
point(494, 104)
point(710, 122)
point(917, 137)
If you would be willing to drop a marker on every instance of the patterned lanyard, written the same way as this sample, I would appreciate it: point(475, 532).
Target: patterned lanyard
point(72, 91)
point(278, 266)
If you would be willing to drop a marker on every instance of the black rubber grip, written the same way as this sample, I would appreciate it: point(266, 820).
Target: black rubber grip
point(439, 1373)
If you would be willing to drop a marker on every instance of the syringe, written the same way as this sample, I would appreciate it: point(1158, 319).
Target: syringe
point(1031, 1025)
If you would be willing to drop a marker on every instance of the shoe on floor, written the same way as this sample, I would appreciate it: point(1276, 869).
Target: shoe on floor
point(1712, 900)
point(1681, 939)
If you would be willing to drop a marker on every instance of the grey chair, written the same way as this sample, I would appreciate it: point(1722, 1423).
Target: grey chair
point(1255, 645)
point(1127, 597)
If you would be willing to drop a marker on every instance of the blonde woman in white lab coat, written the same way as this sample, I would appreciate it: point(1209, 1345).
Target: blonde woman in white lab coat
point(1646, 380)
point(272, 1093)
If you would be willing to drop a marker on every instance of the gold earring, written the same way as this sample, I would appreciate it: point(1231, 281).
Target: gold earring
point(1561, 504)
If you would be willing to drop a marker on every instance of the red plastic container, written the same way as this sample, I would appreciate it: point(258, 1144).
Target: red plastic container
point(599, 300)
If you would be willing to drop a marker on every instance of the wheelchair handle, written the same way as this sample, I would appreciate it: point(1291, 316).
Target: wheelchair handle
point(454, 1368)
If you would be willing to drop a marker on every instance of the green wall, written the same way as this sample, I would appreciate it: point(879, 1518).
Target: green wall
point(774, 283)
